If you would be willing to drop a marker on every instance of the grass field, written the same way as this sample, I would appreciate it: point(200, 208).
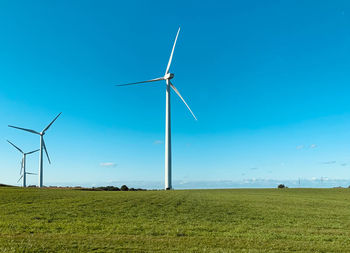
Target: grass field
point(242, 220)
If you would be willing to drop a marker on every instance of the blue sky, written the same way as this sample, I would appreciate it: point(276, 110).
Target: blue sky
point(268, 82)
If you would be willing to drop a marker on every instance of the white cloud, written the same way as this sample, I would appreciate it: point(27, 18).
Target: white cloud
point(108, 164)
point(307, 146)
point(329, 162)
point(157, 142)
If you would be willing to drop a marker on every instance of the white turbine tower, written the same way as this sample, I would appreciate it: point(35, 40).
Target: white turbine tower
point(42, 147)
point(167, 77)
point(23, 164)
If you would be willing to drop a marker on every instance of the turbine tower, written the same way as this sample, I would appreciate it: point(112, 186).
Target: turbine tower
point(23, 164)
point(167, 77)
point(42, 147)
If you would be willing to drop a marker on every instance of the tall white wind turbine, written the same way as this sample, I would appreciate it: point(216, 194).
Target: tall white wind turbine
point(167, 77)
point(42, 147)
point(23, 164)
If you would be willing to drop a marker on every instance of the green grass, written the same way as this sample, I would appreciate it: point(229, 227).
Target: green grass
point(244, 220)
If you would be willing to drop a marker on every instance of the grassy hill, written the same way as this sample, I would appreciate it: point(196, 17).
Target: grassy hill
point(254, 220)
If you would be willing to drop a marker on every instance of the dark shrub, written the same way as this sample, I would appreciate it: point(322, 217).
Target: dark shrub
point(5, 185)
point(124, 188)
point(108, 188)
point(280, 186)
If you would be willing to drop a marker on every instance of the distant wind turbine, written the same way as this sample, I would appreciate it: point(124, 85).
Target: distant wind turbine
point(167, 77)
point(42, 147)
point(23, 164)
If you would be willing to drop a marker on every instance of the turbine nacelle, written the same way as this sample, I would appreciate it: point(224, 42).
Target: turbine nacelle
point(168, 76)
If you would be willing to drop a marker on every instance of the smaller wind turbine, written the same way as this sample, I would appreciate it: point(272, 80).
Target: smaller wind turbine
point(42, 147)
point(23, 164)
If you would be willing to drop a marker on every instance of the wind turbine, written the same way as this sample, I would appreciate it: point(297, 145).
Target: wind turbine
point(42, 147)
point(23, 164)
point(167, 77)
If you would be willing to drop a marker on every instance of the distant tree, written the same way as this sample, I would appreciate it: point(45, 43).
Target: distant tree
point(281, 186)
point(108, 188)
point(124, 188)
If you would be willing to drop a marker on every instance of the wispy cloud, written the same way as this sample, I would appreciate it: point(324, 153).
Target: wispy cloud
point(108, 164)
point(303, 146)
point(254, 168)
point(330, 162)
point(157, 142)
point(343, 164)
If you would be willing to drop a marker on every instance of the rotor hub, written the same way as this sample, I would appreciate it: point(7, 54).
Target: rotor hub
point(169, 76)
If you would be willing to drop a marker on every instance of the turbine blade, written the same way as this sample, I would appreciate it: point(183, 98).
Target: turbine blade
point(178, 93)
point(29, 173)
point(25, 129)
point(19, 178)
point(47, 154)
point(32, 152)
point(51, 122)
point(20, 150)
point(172, 52)
point(148, 81)
point(21, 167)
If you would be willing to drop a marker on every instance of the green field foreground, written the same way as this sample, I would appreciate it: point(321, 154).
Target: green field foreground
point(237, 220)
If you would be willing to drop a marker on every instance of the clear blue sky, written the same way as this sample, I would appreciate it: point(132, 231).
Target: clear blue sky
point(268, 81)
